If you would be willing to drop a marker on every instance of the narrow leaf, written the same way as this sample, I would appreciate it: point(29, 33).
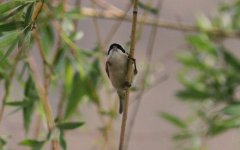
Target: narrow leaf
point(31, 97)
point(69, 125)
point(7, 6)
point(8, 39)
point(190, 94)
point(174, 120)
point(233, 109)
point(202, 43)
point(230, 59)
point(14, 12)
point(2, 142)
point(29, 14)
point(62, 141)
point(17, 103)
point(9, 51)
point(76, 94)
point(10, 26)
point(34, 144)
point(148, 8)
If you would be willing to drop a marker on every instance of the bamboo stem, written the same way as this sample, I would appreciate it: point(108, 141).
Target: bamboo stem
point(147, 62)
point(129, 74)
point(44, 99)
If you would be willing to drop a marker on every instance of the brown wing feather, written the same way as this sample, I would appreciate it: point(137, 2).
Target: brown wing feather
point(106, 67)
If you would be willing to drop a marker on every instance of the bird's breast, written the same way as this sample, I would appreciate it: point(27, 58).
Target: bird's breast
point(117, 69)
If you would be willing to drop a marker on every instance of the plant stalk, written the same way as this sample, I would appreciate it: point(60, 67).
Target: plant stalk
point(129, 74)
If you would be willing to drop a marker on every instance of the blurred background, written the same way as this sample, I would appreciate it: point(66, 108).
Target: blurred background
point(185, 96)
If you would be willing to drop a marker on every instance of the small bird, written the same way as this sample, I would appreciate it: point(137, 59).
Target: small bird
point(116, 68)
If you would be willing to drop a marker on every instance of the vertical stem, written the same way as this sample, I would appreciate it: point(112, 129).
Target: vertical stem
point(146, 67)
point(129, 74)
point(44, 99)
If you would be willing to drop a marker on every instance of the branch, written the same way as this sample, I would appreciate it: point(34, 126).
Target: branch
point(44, 99)
point(116, 26)
point(37, 10)
point(129, 74)
point(109, 14)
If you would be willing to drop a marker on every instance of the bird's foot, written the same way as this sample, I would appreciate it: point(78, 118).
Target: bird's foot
point(134, 62)
point(127, 84)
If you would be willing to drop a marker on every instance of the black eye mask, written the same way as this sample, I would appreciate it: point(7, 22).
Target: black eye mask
point(115, 45)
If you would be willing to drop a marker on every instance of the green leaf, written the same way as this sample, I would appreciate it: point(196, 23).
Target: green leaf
point(30, 89)
point(25, 38)
point(62, 141)
point(10, 26)
point(202, 43)
point(8, 39)
point(2, 143)
point(69, 125)
point(231, 60)
point(232, 109)
point(9, 51)
point(69, 73)
point(94, 73)
point(92, 81)
point(183, 136)
point(148, 8)
point(34, 144)
point(191, 61)
point(224, 125)
point(47, 38)
point(7, 6)
point(191, 94)
point(31, 97)
point(17, 103)
point(14, 12)
point(28, 17)
point(76, 94)
point(203, 22)
point(28, 113)
point(174, 120)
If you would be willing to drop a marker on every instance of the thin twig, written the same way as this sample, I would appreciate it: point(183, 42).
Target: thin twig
point(78, 3)
point(37, 127)
point(116, 26)
point(44, 99)
point(107, 6)
point(9, 81)
point(129, 74)
point(96, 25)
point(89, 12)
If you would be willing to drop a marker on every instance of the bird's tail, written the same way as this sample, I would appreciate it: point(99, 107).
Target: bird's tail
point(121, 95)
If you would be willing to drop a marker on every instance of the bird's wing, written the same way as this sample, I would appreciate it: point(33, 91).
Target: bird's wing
point(106, 68)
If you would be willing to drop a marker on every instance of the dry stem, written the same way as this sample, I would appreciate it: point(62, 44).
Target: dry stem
point(89, 12)
point(44, 98)
point(129, 74)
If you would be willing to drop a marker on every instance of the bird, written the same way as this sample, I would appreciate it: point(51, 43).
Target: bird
point(116, 69)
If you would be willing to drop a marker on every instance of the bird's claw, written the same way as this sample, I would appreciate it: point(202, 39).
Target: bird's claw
point(127, 84)
point(134, 62)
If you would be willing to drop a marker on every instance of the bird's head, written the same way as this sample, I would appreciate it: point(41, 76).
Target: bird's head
point(115, 47)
